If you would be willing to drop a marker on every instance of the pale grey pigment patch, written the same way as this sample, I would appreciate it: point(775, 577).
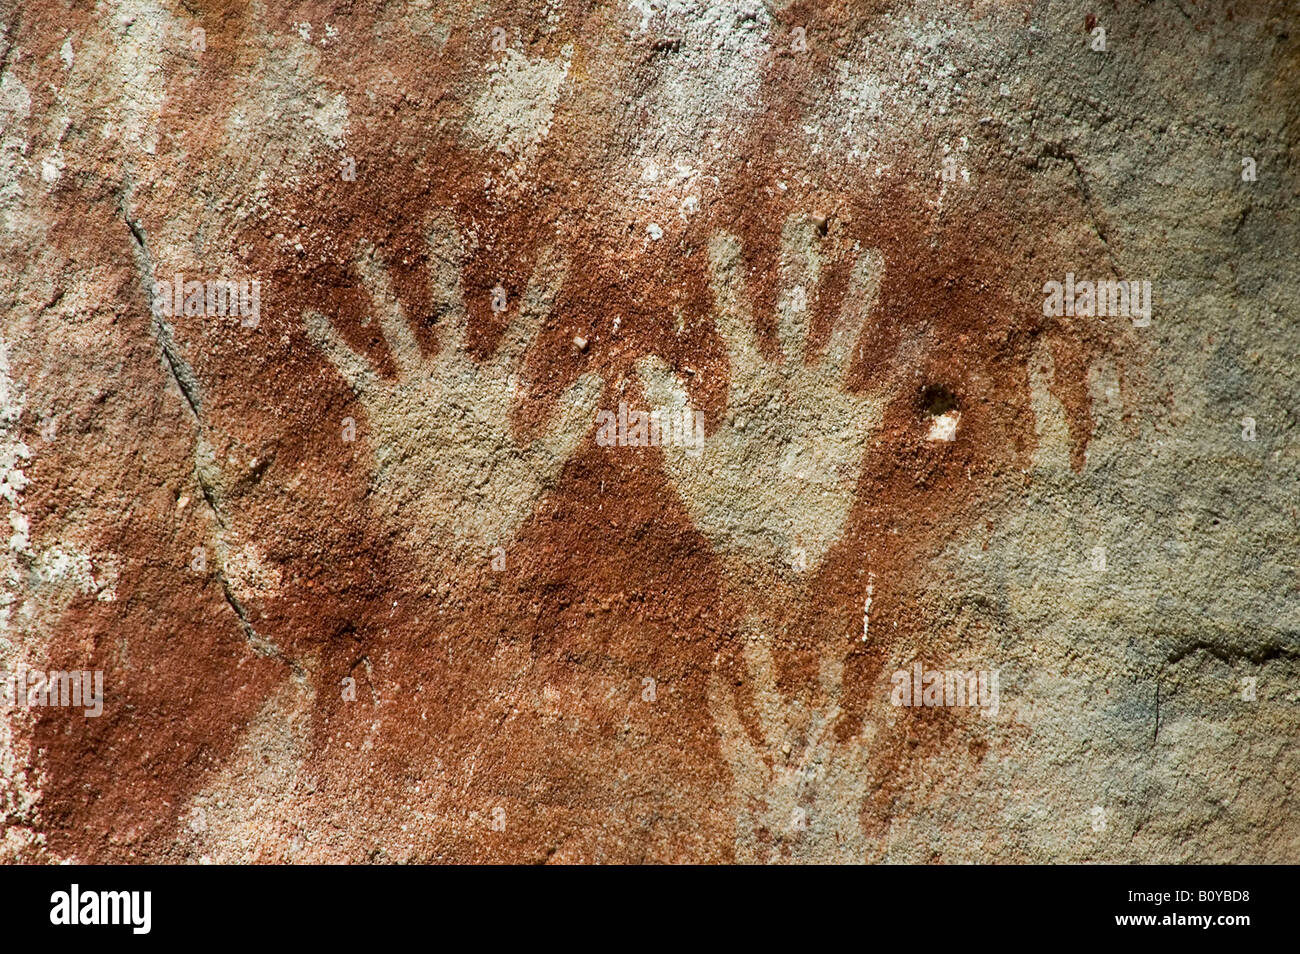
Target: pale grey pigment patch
point(285, 80)
point(696, 91)
point(911, 82)
point(249, 811)
point(517, 107)
point(15, 107)
point(144, 30)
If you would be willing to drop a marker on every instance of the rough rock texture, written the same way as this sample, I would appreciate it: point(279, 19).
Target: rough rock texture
point(362, 576)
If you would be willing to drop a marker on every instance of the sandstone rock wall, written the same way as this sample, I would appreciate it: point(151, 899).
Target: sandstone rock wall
point(373, 549)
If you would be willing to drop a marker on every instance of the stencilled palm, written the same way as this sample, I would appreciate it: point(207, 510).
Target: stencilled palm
point(799, 790)
point(447, 463)
point(775, 481)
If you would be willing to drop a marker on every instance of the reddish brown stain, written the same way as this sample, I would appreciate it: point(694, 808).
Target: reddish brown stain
point(608, 583)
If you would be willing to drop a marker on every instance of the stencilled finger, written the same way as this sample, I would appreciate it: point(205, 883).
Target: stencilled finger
point(859, 302)
point(667, 394)
point(769, 704)
point(448, 301)
point(830, 675)
point(1107, 438)
point(800, 273)
point(355, 369)
point(732, 315)
point(1051, 428)
point(392, 317)
point(737, 747)
point(573, 418)
point(539, 299)
point(662, 386)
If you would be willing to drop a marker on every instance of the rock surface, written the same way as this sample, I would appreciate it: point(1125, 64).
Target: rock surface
point(374, 557)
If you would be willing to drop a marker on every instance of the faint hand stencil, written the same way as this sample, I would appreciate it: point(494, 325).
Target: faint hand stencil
point(775, 481)
point(448, 466)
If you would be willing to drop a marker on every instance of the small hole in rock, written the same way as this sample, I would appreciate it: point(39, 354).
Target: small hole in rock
point(936, 400)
